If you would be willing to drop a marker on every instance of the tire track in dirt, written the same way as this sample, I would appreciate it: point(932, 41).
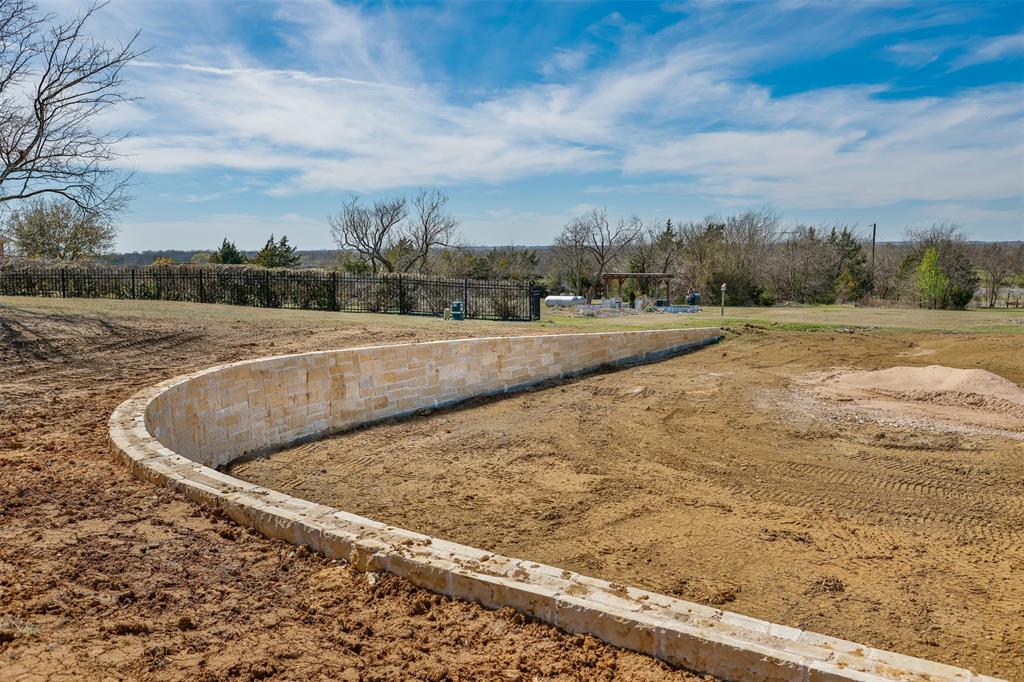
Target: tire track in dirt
point(689, 476)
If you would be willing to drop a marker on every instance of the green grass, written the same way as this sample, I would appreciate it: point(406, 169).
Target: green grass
point(779, 318)
point(814, 318)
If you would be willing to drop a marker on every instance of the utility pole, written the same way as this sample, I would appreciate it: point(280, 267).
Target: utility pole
point(874, 227)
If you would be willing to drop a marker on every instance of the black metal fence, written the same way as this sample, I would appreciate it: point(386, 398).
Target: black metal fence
point(279, 288)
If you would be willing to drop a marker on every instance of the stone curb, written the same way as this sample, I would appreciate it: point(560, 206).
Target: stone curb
point(703, 639)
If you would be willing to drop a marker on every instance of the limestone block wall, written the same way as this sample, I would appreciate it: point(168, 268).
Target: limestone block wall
point(176, 432)
point(253, 406)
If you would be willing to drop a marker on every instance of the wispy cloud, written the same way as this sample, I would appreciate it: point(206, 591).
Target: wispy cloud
point(991, 49)
point(882, 152)
point(915, 55)
point(214, 196)
point(248, 230)
point(338, 101)
point(566, 60)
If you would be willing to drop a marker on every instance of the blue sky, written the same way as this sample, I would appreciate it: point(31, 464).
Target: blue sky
point(262, 117)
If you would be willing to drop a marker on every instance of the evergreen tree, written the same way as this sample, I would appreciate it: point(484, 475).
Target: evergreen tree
point(852, 276)
point(277, 254)
point(227, 254)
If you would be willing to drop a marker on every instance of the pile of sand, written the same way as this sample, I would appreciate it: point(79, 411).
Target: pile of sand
point(967, 396)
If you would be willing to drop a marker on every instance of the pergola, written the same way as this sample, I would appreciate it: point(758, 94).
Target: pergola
point(656, 277)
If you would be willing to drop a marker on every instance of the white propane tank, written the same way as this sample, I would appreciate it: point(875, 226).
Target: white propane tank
point(564, 299)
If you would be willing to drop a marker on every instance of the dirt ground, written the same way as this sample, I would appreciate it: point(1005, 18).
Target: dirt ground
point(718, 477)
point(103, 576)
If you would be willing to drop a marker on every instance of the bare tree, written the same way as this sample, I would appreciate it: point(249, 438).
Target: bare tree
point(605, 242)
point(60, 230)
point(373, 232)
point(655, 249)
point(888, 280)
point(571, 249)
point(433, 227)
point(998, 263)
point(643, 251)
point(667, 248)
point(699, 243)
point(749, 236)
point(54, 82)
point(384, 236)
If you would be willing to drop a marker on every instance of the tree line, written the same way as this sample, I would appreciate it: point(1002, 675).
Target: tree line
point(759, 259)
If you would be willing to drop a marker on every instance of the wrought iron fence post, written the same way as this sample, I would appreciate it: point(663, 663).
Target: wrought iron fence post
point(266, 289)
point(465, 297)
point(334, 290)
point(202, 291)
point(534, 302)
point(63, 284)
point(133, 284)
point(401, 296)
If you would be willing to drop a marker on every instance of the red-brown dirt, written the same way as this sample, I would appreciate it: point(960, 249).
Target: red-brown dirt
point(895, 519)
point(103, 576)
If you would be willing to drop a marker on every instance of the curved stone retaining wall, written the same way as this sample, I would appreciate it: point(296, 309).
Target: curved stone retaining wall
point(177, 432)
point(220, 414)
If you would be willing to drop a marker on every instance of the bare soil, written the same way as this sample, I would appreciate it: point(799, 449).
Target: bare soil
point(103, 576)
point(723, 477)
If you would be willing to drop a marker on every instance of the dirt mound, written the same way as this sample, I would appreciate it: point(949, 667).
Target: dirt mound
point(940, 385)
point(967, 396)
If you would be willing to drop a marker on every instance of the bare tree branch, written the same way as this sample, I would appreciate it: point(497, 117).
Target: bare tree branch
point(606, 243)
point(571, 248)
point(998, 263)
point(384, 235)
point(54, 81)
point(433, 227)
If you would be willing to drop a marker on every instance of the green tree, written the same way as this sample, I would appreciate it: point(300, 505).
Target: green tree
point(277, 254)
point(931, 281)
point(352, 264)
point(852, 277)
point(954, 261)
point(463, 263)
point(228, 254)
point(509, 262)
point(59, 230)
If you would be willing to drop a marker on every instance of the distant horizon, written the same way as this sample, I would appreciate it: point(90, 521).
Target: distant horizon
point(264, 117)
point(300, 250)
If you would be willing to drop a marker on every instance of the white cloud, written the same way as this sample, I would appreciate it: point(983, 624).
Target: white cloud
point(214, 196)
point(914, 55)
point(883, 152)
point(344, 39)
point(566, 60)
point(248, 231)
point(360, 116)
point(991, 49)
point(960, 213)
